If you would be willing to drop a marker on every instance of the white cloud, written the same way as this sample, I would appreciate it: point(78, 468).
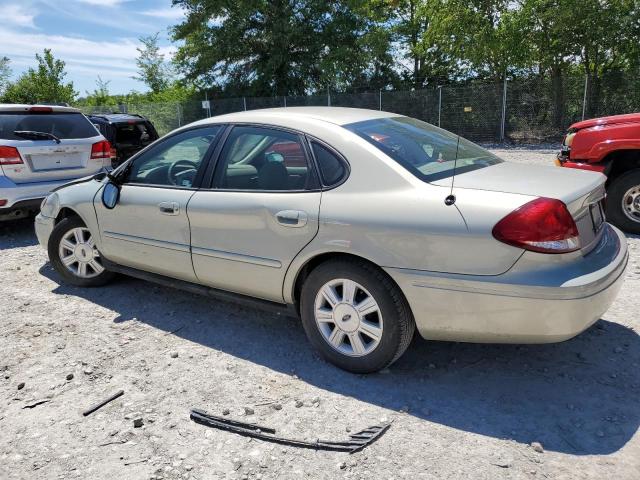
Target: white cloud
point(165, 13)
point(106, 58)
point(17, 15)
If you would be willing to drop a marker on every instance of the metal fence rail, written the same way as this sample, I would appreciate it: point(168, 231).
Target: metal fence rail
point(528, 110)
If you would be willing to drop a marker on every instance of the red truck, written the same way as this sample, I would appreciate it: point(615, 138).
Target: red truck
point(610, 145)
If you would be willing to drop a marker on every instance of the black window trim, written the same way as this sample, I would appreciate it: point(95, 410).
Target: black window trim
point(203, 166)
point(212, 177)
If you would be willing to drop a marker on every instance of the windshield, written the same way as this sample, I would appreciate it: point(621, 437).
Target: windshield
point(429, 152)
point(62, 125)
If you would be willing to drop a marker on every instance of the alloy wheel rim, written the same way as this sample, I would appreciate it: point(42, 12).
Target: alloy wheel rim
point(631, 203)
point(348, 317)
point(78, 253)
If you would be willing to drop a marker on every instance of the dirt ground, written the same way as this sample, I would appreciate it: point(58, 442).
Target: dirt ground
point(458, 410)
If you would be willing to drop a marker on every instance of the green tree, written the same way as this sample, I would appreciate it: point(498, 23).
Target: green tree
point(42, 84)
point(277, 47)
point(483, 37)
point(153, 71)
point(100, 95)
point(602, 34)
point(5, 73)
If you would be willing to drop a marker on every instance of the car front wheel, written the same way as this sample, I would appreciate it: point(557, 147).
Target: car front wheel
point(355, 316)
point(73, 253)
point(623, 202)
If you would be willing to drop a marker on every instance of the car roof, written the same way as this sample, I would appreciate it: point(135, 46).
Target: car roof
point(336, 115)
point(21, 107)
point(117, 117)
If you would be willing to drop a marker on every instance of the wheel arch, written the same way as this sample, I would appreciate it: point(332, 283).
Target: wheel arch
point(621, 161)
point(315, 261)
point(66, 212)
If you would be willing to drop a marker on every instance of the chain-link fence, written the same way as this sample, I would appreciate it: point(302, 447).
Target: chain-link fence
point(528, 110)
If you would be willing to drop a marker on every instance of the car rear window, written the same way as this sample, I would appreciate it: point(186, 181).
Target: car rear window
point(62, 125)
point(429, 152)
point(133, 134)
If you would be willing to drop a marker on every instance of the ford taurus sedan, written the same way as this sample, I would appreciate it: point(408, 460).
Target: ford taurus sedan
point(366, 224)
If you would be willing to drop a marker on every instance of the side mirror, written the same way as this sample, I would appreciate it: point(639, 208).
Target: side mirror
point(110, 195)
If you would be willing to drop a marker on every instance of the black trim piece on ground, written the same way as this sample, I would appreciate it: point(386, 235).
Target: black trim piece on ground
point(237, 298)
point(356, 442)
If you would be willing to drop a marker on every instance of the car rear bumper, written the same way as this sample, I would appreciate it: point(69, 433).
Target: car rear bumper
point(551, 303)
point(19, 193)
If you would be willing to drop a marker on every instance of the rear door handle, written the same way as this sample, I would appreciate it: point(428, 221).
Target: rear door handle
point(292, 218)
point(169, 208)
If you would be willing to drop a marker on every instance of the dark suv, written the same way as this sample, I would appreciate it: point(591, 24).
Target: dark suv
point(127, 133)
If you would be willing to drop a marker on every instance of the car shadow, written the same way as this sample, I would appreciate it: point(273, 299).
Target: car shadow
point(578, 397)
point(17, 233)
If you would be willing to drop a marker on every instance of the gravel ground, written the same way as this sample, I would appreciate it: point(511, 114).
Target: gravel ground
point(458, 410)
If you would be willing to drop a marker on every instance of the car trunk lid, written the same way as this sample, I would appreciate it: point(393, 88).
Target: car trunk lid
point(45, 160)
point(66, 154)
point(581, 191)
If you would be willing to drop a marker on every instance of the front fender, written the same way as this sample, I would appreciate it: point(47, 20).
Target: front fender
point(79, 198)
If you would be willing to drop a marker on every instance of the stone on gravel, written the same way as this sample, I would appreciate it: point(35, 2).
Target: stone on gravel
point(249, 411)
point(174, 354)
point(21, 385)
point(537, 447)
point(299, 403)
point(138, 422)
point(69, 376)
point(225, 411)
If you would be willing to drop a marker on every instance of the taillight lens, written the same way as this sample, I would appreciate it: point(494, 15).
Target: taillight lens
point(10, 156)
point(542, 225)
point(101, 150)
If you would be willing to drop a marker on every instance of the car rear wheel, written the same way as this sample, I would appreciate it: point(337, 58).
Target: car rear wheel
point(73, 253)
point(623, 201)
point(355, 316)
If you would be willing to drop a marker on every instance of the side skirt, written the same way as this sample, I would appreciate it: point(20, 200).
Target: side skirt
point(223, 295)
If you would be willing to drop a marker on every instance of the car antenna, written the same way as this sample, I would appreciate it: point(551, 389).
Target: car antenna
point(451, 198)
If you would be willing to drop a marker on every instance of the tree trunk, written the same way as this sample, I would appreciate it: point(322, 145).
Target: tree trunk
point(558, 95)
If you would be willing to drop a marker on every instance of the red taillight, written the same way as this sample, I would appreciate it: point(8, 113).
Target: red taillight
point(3, 202)
point(114, 152)
point(542, 225)
point(100, 150)
point(41, 109)
point(10, 156)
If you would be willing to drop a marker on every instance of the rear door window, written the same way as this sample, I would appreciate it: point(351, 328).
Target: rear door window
point(62, 125)
point(133, 134)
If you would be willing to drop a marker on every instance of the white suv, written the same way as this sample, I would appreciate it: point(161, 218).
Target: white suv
point(41, 148)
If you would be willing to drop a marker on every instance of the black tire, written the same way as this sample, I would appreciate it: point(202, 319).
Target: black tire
point(398, 326)
point(59, 231)
point(614, 211)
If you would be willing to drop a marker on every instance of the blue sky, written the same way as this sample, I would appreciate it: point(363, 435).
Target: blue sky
point(93, 37)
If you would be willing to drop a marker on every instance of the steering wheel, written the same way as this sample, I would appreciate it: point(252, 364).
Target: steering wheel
point(181, 169)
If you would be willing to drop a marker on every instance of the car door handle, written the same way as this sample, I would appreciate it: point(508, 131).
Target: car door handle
point(169, 208)
point(292, 218)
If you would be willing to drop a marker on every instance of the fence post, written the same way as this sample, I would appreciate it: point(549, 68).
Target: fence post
point(285, 101)
point(244, 102)
point(439, 102)
point(179, 115)
point(504, 108)
point(380, 99)
point(328, 97)
point(584, 99)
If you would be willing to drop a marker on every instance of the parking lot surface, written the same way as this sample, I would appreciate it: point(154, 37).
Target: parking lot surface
point(458, 410)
